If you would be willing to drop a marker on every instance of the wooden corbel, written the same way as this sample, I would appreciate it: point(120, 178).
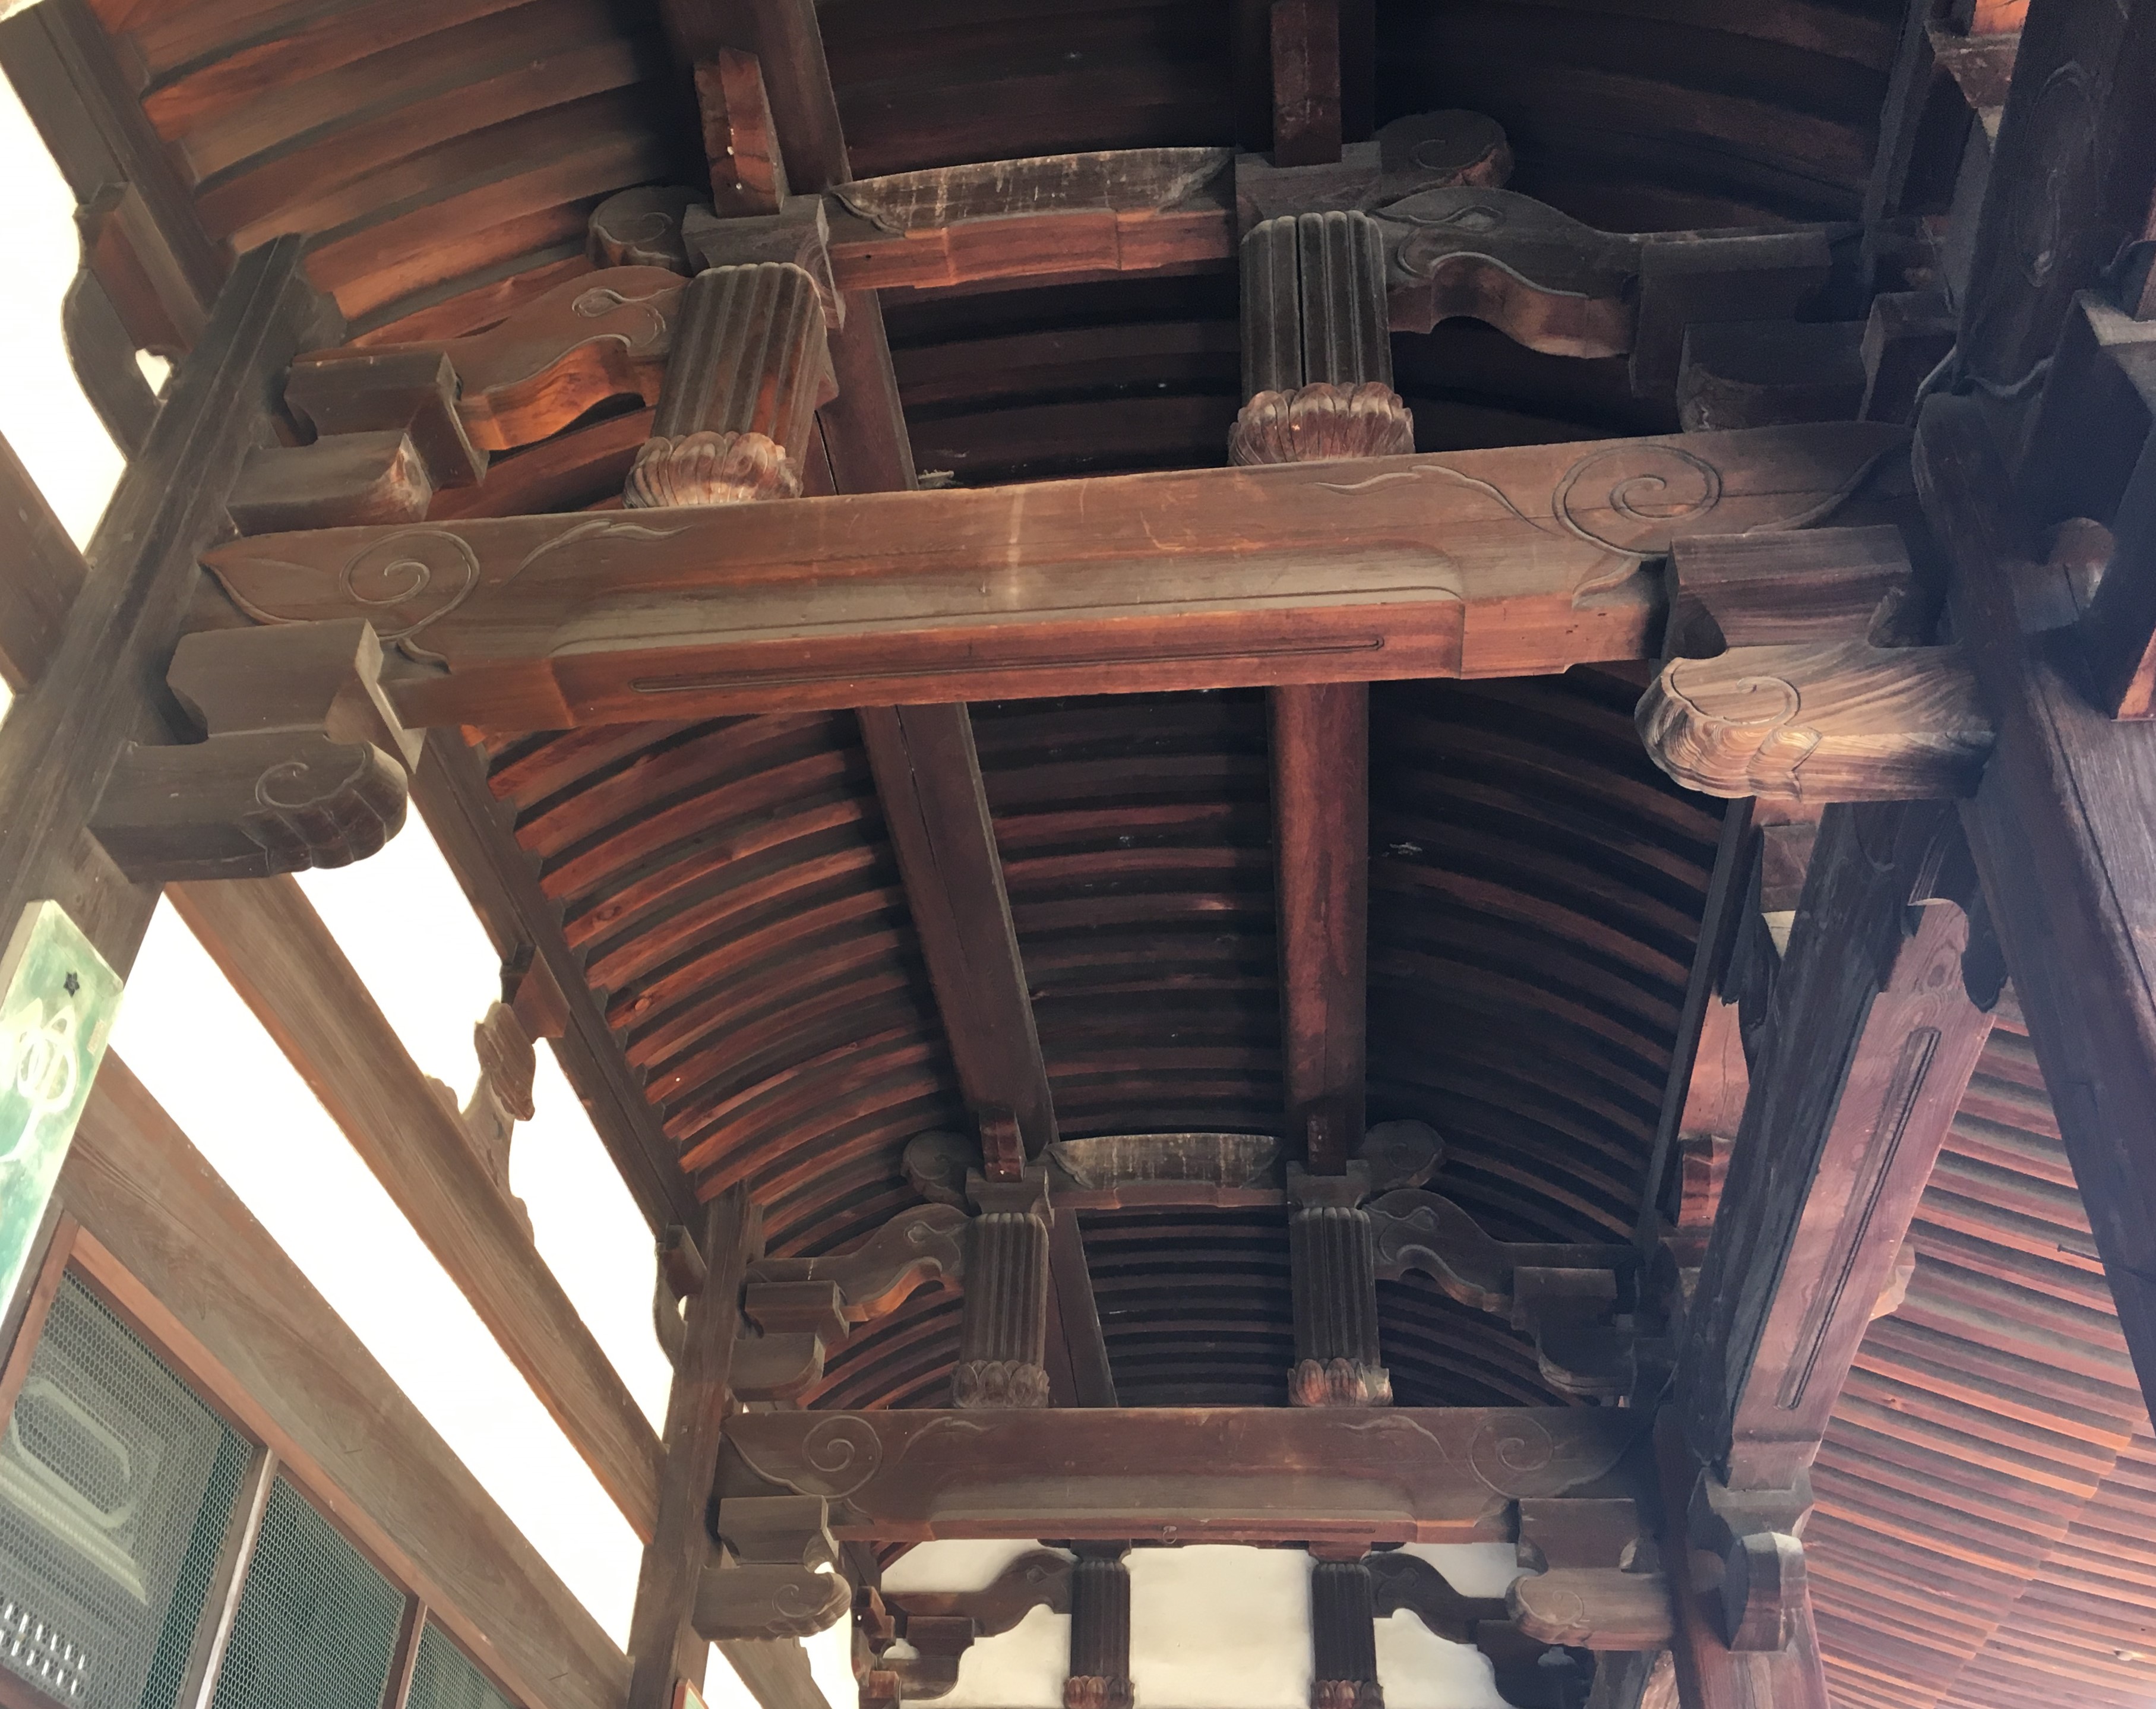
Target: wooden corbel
point(304, 764)
point(1423, 151)
point(1787, 685)
point(641, 227)
point(596, 337)
point(1566, 1297)
point(1588, 1582)
point(941, 1625)
point(784, 1582)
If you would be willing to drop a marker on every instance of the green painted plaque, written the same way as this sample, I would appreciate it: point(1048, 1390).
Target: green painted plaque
point(57, 1000)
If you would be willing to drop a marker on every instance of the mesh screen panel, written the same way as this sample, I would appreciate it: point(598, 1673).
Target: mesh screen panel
point(316, 1625)
point(443, 1677)
point(116, 1485)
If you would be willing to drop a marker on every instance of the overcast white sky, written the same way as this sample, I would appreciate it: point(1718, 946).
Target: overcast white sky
point(1212, 1627)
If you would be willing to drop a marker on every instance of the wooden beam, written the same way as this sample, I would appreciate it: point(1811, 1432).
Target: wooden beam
point(1184, 1473)
point(166, 1239)
point(1477, 563)
point(40, 574)
point(102, 686)
point(663, 1646)
point(2059, 828)
point(1856, 1081)
point(271, 944)
point(775, 1670)
point(525, 926)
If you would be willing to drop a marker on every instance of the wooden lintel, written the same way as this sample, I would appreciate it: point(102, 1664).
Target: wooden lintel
point(1481, 563)
point(1186, 1474)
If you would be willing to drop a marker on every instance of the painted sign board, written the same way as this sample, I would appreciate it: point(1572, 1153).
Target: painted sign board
point(58, 1002)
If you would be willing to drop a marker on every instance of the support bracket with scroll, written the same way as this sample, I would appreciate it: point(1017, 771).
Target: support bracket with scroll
point(782, 1582)
point(1792, 679)
point(304, 764)
point(1569, 1298)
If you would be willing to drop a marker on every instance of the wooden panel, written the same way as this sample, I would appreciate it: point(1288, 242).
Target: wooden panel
point(165, 1236)
point(281, 959)
point(1188, 1474)
point(1423, 567)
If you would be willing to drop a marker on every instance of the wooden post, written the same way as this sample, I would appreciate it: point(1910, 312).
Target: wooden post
point(1002, 1337)
point(749, 365)
point(1099, 1676)
point(1333, 1265)
point(664, 1645)
point(1343, 1637)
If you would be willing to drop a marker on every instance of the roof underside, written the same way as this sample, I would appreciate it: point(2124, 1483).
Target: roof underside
point(1536, 885)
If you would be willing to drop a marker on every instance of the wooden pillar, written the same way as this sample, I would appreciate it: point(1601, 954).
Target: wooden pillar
point(1333, 1267)
point(1002, 1337)
point(1343, 1637)
point(1100, 1629)
point(664, 1645)
point(750, 364)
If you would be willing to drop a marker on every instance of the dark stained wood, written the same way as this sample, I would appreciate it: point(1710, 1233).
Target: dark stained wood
point(1321, 748)
point(664, 1645)
point(1593, 1608)
point(336, 482)
point(775, 1670)
point(524, 926)
point(41, 573)
point(1416, 568)
point(748, 176)
point(1871, 1047)
point(166, 1238)
point(1306, 61)
point(269, 942)
point(102, 353)
point(1188, 1475)
point(2059, 830)
point(103, 685)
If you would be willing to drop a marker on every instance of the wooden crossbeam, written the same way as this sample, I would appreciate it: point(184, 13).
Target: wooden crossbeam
point(1505, 563)
point(40, 574)
point(1256, 1475)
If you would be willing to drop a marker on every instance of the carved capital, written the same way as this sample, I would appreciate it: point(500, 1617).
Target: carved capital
point(1346, 1694)
point(1339, 1383)
point(1316, 422)
point(1844, 722)
point(999, 1382)
point(710, 469)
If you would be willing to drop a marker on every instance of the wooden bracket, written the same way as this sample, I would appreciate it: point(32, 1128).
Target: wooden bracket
point(305, 765)
point(784, 1585)
point(914, 1250)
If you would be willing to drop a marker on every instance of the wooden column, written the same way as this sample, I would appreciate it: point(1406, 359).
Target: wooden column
point(1333, 1266)
point(1002, 1337)
point(663, 1646)
point(750, 364)
point(1100, 1629)
point(1343, 1637)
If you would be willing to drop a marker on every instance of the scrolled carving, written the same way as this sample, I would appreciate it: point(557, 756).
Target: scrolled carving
point(1416, 1231)
point(935, 1164)
point(326, 806)
point(914, 1250)
point(1320, 421)
point(1652, 485)
point(1405, 1581)
point(710, 469)
point(769, 1600)
point(1400, 1154)
point(999, 1382)
point(641, 227)
point(1847, 722)
point(1095, 1692)
point(842, 1453)
point(1508, 1454)
point(1339, 1383)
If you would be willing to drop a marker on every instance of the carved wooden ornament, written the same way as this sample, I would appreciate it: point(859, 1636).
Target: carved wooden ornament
point(1846, 722)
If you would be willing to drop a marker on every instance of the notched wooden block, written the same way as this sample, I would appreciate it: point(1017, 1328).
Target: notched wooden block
point(798, 234)
point(413, 392)
point(1767, 373)
point(340, 480)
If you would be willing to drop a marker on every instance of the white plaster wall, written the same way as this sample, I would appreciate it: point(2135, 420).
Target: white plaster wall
point(1213, 1626)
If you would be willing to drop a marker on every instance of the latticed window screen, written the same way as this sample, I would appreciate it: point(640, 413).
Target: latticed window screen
point(316, 1625)
point(443, 1677)
point(116, 1486)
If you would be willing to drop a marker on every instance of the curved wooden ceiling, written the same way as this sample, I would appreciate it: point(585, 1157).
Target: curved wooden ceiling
point(1536, 886)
